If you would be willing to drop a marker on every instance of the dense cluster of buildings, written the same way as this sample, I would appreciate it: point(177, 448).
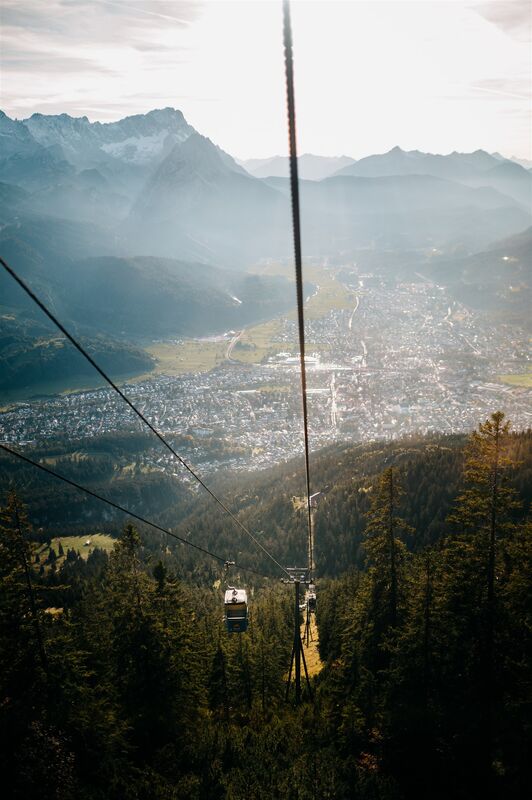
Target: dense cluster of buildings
point(405, 359)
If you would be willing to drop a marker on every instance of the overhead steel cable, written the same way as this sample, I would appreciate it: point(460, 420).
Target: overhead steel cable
point(296, 225)
point(124, 510)
point(139, 414)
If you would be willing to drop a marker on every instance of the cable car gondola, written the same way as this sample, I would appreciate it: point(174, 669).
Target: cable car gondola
point(236, 610)
point(311, 597)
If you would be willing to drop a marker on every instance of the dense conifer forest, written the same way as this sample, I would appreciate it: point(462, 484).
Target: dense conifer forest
point(119, 680)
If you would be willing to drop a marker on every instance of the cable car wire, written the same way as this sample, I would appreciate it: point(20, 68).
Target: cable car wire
point(124, 510)
point(296, 225)
point(141, 416)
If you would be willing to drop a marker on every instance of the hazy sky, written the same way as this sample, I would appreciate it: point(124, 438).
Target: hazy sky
point(436, 76)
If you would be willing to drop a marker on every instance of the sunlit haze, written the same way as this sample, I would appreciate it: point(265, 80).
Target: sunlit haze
point(434, 76)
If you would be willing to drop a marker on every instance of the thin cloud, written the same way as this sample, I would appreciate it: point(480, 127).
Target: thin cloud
point(513, 17)
point(501, 87)
point(69, 55)
point(97, 21)
point(140, 10)
point(40, 64)
point(500, 93)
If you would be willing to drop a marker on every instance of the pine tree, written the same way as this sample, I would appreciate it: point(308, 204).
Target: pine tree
point(218, 692)
point(23, 653)
point(483, 518)
point(385, 552)
point(17, 559)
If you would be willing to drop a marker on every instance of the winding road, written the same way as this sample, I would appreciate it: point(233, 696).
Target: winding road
point(231, 345)
point(354, 312)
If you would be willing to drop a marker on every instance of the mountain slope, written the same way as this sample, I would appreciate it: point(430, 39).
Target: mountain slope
point(196, 195)
point(144, 298)
point(16, 139)
point(34, 357)
point(497, 280)
point(402, 212)
point(90, 279)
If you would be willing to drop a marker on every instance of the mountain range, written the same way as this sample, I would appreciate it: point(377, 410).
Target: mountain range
point(471, 169)
point(164, 189)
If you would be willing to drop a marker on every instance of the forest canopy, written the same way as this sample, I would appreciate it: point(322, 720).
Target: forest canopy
point(119, 680)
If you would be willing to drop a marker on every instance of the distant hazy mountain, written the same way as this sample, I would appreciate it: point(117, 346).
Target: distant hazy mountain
point(310, 167)
point(472, 169)
point(523, 162)
point(498, 280)
point(414, 162)
point(402, 212)
point(200, 202)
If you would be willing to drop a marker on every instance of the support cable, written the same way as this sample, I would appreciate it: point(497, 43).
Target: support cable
point(124, 510)
point(296, 225)
point(139, 414)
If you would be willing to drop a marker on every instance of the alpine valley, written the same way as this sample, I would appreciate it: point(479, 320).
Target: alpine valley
point(144, 229)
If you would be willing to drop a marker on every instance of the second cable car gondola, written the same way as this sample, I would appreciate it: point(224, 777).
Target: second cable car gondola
point(236, 610)
point(311, 597)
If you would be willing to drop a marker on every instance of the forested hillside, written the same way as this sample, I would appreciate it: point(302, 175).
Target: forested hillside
point(117, 304)
point(32, 355)
point(119, 680)
point(430, 469)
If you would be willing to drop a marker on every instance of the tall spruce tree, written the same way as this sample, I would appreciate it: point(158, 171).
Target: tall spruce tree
point(483, 517)
point(385, 551)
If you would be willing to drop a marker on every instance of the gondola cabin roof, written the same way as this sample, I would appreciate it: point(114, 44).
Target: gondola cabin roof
point(235, 596)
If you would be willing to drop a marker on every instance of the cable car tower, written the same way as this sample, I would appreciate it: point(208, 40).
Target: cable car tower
point(310, 594)
point(298, 575)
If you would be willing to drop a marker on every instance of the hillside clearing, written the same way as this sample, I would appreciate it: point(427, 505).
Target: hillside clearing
point(101, 541)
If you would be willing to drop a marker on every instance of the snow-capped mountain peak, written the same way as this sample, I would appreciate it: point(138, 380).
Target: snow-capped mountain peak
point(141, 139)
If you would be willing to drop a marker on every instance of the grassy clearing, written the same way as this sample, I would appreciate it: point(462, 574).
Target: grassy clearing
point(192, 355)
point(256, 343)
point(524, 380)
point(330, 295)
point(271, 387)
point(77, 543)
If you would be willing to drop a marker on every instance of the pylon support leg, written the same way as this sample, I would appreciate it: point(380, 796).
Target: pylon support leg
point(306, 674)
point(290, 673)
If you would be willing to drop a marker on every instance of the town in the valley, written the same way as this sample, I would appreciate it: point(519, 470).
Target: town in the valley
point(402, 358)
